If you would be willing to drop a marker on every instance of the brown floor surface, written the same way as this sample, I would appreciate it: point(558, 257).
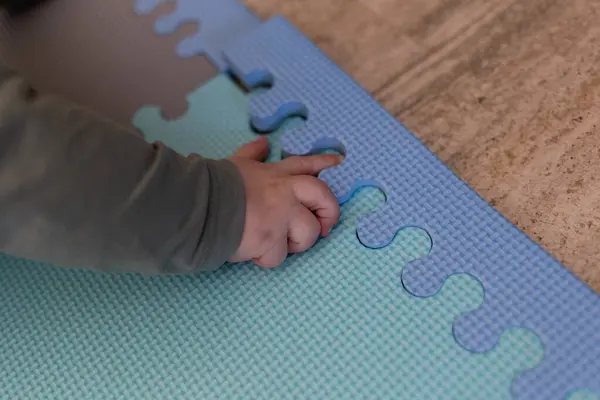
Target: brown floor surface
point(506, 92)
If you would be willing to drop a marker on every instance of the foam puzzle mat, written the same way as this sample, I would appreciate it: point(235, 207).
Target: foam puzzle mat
point(524, 286)
point(331, 323)
point(183, 135)
point(422, 291)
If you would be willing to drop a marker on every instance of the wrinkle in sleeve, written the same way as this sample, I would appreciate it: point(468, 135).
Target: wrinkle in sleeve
point(79, 190)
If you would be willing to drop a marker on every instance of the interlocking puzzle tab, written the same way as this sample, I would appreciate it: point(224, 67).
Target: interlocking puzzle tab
point(524, 286)
point(221, 21)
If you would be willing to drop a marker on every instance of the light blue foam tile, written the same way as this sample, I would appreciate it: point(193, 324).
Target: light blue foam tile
point(524, 286)
point(220, 22)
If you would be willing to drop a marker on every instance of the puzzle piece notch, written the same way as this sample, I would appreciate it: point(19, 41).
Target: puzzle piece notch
point(220, 23)
point(524, 285)
point(264, 79)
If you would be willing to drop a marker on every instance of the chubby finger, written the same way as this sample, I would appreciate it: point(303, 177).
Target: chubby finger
point(257, 150)
point(309, 165)
point(275, 255)
point(316, 196)
point(304, 230)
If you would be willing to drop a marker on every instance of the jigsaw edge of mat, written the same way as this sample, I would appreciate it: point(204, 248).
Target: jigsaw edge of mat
point(525, 286)
point(220, 22)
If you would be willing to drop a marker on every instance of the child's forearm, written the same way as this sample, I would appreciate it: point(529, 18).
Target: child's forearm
point(77, 190)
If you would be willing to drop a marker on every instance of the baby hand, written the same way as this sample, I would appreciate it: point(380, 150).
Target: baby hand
point(287, 207)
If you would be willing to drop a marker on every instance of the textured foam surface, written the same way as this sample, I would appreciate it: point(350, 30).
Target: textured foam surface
point(215, 124)
point(333, 323)
point(221, 21)
point(524, 286)
point(584, 395)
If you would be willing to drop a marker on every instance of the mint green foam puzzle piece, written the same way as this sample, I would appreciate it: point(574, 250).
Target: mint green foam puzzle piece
point(330, 323)
point(214, 126)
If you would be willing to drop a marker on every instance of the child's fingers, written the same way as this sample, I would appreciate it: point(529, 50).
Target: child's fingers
point(309, 165)
point(315, 195)
point(304, 230)
point(275, 255)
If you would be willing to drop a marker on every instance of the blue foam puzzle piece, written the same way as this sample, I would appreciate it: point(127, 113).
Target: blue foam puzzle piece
point(331, 323)
point(524, 286)
point(221, 21)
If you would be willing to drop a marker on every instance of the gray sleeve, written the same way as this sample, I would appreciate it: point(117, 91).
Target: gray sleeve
point(80, 191)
